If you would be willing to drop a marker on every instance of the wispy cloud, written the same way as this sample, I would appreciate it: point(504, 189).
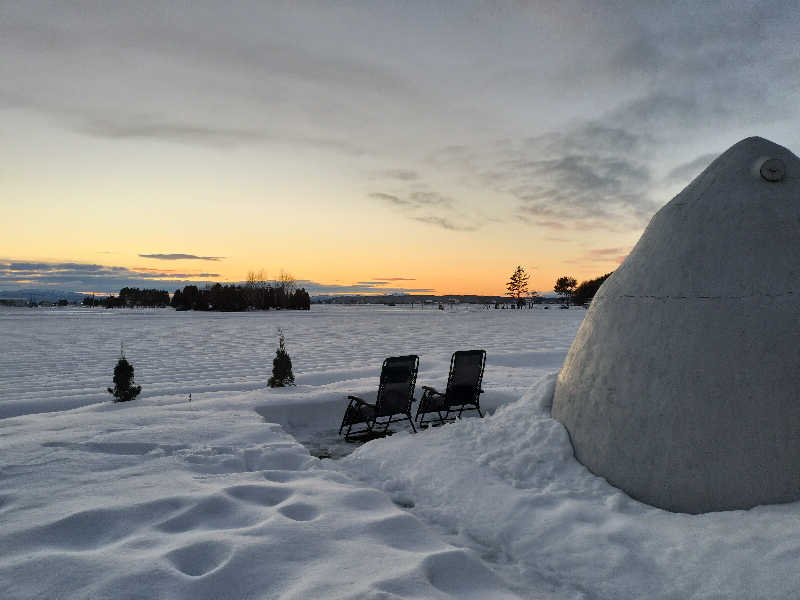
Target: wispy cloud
point(444, 223)
point(363, 287)
point(143, 127)
point(92, 277)
point(396, 278)
point(109, 279)
point(606, 252)
point(181, 257)
point(600, 256)
point(593, 175)
point(429, 206)
point(397, 174)
point(685, 172)
point(391, 199)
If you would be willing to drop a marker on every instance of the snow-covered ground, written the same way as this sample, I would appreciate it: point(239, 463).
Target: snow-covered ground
point(218, 498)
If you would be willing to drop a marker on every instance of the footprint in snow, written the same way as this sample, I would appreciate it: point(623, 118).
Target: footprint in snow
point(264, 495)
point(299, 511)
point(199, 559)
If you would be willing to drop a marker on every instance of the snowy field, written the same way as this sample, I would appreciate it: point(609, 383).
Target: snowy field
point(224, 497)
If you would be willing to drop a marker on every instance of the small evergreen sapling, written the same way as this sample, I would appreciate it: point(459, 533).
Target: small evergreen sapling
point(123, 389)
point(281, 367)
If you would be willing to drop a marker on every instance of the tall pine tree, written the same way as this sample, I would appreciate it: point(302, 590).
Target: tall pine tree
point(517, 285)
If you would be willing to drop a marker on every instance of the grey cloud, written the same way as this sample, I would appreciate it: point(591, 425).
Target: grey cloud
point(181, 257)
point(656, 74)
point(595, 174)
point(640, 55)
point(104, 279)
point(414, 199)
point(685, 172)
point(577, 188)
point(215, 77)
point(604, 252)
point(593, 257)
point(119, 123)
point(431, 207)
point(315, 288)
point(91, 277)
point(422, 199)
point(390, 198)
point(132, 127)
point(549, 225)
point(399, 174)
point(604, 137)
point(699, 78)
point(445, 223)
point(396, 278)
point(52, 267)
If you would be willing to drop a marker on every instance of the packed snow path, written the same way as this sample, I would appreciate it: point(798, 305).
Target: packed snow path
point(217, 499)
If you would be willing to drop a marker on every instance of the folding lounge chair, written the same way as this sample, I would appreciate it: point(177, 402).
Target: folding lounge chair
point(395, 395)
point(462, 393)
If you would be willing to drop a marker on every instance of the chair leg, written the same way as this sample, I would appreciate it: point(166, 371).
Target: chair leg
point(368, 430)
point(344, 420)
point(408, 415)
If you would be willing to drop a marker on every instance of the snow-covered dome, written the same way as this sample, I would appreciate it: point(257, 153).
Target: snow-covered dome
point(682, 386)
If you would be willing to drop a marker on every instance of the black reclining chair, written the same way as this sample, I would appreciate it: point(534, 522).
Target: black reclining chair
point(462, 393)
point(395, 395)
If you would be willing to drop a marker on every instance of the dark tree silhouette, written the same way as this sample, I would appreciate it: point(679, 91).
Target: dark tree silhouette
point(565, 286)
point(281, 367)
point(124, 388)
point(517, 285)
point(255, 294)
point(587, 289)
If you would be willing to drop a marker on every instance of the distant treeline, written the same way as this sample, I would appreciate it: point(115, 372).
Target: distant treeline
point(587, 289)
point(131, 297)
point(417, 299)
point(217, 297)
point(241, 297)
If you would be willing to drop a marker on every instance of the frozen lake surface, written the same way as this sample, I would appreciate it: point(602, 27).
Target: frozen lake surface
point(55, 359)
point(223, 498)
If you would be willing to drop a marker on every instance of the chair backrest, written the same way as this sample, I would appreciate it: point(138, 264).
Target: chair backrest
point(466, 375)
point(396, 389)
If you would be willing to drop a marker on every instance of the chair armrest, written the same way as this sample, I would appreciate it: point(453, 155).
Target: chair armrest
point(357, 400)
point(428, 389)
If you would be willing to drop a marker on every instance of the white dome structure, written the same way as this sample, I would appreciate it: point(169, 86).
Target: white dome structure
point(682, 386)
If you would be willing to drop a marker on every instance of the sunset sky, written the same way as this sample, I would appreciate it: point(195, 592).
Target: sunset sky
point(367, 146)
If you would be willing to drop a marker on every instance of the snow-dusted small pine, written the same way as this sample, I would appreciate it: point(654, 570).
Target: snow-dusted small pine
point(124, 389)
point(281, 367)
